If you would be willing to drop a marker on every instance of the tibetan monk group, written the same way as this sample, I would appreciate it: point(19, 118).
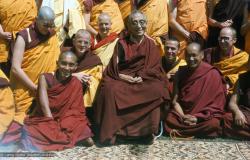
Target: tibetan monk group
point(75, 70)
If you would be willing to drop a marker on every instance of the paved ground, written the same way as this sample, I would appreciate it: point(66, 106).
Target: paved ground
point(163, 149)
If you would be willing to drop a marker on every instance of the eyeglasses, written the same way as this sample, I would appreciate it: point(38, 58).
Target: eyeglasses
point(225, 39)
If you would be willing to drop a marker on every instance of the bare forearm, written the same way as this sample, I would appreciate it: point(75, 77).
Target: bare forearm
point(22, 76)
point(178, 109)
point(43, 96)
point(179, 29)
point(91, 30)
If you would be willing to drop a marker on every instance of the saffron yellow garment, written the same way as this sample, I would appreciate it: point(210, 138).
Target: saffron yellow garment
point(233, 66)
point(15, 15)
point(175, 69)
point(105, 52)
point(96, 75)
point(67, 11)
point(38, 60)
point(191, 15)
point(156, 12)
point(7, 106)
point(110, 7)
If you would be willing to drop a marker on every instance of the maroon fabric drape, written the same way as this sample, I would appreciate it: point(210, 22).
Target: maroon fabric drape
point(202, 93)
point(89, 60)
point(69, 124)
point(131, 109)
point(230, 129)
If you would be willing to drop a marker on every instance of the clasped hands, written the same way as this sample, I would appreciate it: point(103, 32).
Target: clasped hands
point(190, 120)
point(130, 79)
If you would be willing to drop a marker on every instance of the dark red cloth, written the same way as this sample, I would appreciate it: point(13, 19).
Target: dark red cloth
point(13, 134)
point(131, 109)
point(34, 35)
point(230, 129)
point(108, 39)
point(202, 93)
point(89, 60)
point(69, 124)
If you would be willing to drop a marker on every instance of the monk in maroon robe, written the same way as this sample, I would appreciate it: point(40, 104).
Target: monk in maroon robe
point(199, 98)
point(237, 122)
point(133, 88)
point(59, 121)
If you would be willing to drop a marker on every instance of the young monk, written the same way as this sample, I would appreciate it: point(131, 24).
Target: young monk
point(237, 121)
point(198, 100)
point(59, 121)
point(170, 61)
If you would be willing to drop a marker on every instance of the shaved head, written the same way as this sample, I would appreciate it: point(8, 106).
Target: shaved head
point(194, 46)
point(81, 42)
point(229, 31)
point(194, 55)
point(82, 33)
point(46, 13)
point(68, 54)
point(134, 13)
point(104, 16)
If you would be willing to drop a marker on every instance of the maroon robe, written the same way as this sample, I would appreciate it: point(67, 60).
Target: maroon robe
point(69, 124)
point(202, 93)
point(128, 109)
point(230, 129)
point(14, 132)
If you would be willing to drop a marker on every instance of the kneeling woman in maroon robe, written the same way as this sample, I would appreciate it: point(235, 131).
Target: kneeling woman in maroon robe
point(199, 98)
point(133, 86)
point(59, 122)
point(237, 122)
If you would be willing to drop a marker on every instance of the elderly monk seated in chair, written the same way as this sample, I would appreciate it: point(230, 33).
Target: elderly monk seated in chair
point(133, 88)
point(58, 121)
point(237, 121)
point(198, 100)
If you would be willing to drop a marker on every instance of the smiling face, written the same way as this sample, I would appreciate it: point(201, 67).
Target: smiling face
point(171, 49)
point(66, 65)
point(194, 55)
point(104, 23)
point(81, 43)
point(137, 25)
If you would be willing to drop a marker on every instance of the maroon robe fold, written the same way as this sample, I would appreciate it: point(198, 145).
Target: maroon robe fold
point(69, 124)
point(202, 93)
point(230, 129)
point(130, 109)
point(88, 61)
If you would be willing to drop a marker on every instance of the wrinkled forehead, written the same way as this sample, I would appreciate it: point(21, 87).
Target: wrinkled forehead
point(193, 49)
point(137, 17)
point(226, 33)
point(104, 19)
point(84, 37)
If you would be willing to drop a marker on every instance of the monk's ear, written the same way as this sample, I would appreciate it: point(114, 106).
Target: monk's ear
point(234, 40)
point(202, 54)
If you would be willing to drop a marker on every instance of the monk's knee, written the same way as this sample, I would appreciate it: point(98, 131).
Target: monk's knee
point(213, 124)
